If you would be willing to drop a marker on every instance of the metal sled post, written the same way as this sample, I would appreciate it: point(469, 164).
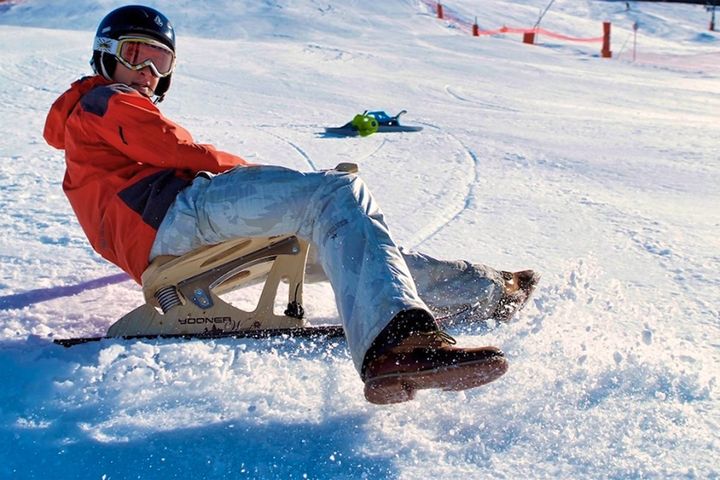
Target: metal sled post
point(182, 293)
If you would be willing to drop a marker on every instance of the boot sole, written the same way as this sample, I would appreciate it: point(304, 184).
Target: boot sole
point(401, 387)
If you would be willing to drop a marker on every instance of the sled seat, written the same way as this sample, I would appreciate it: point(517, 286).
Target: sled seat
point(182, 294)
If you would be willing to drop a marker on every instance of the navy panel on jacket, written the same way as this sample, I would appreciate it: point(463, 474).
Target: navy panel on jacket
point(152, 196)
point(96, 100)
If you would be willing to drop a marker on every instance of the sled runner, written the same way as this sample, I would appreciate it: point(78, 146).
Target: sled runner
point(182, 294)
point(371, 122)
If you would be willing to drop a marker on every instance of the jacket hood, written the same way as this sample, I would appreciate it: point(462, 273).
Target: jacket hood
point(60, 111)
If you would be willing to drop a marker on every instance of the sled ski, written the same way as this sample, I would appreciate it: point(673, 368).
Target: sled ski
point(316, 331)
point(182, 294)
point(385, 124)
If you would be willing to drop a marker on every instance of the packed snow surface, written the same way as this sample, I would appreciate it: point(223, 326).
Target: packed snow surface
point(602, 174)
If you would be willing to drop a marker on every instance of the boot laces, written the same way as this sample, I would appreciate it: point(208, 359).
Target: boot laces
point(434, 339)
point(439, 336)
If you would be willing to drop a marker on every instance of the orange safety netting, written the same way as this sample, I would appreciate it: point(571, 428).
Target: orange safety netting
point(539, 31)
point(451, 15)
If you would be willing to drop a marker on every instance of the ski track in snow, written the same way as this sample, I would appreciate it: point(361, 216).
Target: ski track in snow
point(361, 157)
point(372, 153)
point(450, 212)
point(653, 239)
point(294, 146)
point(484, 105)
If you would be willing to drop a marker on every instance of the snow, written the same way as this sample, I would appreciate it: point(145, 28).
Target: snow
point(601, 174)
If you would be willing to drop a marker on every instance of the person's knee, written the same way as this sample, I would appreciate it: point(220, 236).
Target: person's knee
point(344, 188)
point(342, 179)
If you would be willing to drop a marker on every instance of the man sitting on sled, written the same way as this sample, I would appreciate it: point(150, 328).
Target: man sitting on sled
point(141, 187)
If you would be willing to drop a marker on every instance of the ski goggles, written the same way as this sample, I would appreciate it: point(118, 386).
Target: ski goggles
point(137, 53)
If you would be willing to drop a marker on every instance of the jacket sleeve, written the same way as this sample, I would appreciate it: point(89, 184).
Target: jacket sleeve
point(134, 126)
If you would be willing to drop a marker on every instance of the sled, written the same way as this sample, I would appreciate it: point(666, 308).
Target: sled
point(182, 294)
point(385, 124)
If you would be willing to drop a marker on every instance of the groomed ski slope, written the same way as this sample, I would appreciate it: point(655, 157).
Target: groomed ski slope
point(601, 174)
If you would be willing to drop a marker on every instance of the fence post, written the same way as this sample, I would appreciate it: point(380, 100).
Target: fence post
point(712, 19)
point(440, 10)
point(606, 53)
point(529, 38)
point(635, 29)
point(476, 29)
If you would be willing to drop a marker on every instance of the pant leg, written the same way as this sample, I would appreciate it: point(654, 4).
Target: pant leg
point(450, 286)
point(445, 286)
point(333, 210)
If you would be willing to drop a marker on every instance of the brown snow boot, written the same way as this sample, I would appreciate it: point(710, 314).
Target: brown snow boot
point(413, 354)
point(519, 286)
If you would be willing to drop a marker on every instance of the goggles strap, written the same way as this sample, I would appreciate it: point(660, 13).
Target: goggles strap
point(106, 45)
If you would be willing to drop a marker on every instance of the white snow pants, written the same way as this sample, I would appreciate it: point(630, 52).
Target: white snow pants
point(334, 210)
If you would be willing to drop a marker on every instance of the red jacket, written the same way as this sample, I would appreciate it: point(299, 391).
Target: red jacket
point(125, 165)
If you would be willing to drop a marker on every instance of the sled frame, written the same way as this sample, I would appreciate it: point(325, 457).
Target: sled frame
point(182, 294)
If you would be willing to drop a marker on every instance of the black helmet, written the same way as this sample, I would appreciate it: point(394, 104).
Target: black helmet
point(128, 21)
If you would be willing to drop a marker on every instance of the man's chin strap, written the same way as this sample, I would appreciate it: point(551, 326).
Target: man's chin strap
point(153, 97)
point(103, 71)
